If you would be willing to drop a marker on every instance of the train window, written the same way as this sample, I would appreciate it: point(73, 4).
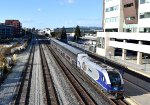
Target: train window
point(63, 54)
point(84, 66)
point(67, 57)
point(90, 70)
point(84, 56)
point(59, 50)
point(74, 62)
point(114, 77)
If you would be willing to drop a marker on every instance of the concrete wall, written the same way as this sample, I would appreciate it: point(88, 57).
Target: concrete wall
point(130, 46)
point(111, 44)
point(107, 49)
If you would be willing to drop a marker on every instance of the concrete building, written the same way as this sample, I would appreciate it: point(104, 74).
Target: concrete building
point(126, 28)
point(112, 16)
point(126, 15)
point(144, 16)
point(16, 24)
point(109, 41)
point(6, 31)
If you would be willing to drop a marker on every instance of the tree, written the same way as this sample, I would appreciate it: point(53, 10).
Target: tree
point(53, 34)
point(77, 33)
point(23, 32)
point(33, 29)
point(63, 34)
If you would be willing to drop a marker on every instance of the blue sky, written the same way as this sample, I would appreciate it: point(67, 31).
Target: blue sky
point(52, 13)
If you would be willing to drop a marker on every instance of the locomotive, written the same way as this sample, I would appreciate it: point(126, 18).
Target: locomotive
point(109, 79)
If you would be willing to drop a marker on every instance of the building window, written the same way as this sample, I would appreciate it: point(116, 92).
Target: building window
point(112, 19)
point(130, 18)
point(128, 5)
point(111, 8)
point(144, 1)
point(145, 15)
point(107, 10)
point(108, 0)
point(101, 42)
point(114, 8)
point(144, 30)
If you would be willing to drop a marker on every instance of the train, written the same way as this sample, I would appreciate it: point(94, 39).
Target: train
point(109, 79)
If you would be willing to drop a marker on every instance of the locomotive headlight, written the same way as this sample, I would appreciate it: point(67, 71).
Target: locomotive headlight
point(115, 88)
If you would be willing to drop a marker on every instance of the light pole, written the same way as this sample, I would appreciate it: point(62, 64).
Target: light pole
point(145, 62)
point(76, 38)
point(0, 72)
point(110, 54)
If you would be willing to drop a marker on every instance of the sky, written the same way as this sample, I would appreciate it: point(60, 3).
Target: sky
point(52, 13)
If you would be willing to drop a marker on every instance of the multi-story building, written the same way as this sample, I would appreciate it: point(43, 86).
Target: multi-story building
point(126, 15)
point(119, 18)
point(113, 15)
point(16, 24)
point(144, 16)
point(6, 31)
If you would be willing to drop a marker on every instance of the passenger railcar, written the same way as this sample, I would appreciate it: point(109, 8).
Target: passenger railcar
point(109, 79)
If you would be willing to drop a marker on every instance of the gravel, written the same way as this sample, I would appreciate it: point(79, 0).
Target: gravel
point(66, 97)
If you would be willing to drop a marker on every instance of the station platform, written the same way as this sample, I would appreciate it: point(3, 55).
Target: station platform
point(137, 74)
point(130, 63)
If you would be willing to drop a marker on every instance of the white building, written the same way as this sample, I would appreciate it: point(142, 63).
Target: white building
point(119, 18)
point(112, 14)
point(126, 15)
point(107, 43)
point(144, 16)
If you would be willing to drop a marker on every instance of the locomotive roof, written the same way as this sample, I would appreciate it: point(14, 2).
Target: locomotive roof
point(70, 48)
point(104, 66)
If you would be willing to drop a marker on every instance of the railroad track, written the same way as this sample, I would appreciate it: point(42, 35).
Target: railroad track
point(89, 81)
point(120, 102)
point(24, 89)
point(51, 95)
point(72, 75)
point(81, 94)
point(129, 74)
point(133, 79)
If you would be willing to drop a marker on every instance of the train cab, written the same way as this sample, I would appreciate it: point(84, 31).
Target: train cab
point(116, 86)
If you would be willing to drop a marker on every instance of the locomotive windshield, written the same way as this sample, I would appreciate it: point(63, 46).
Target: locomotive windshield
point(114, 78)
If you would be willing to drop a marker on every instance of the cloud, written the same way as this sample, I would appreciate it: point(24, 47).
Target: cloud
point(70, 1)
point(39, 9)
point(62, 2)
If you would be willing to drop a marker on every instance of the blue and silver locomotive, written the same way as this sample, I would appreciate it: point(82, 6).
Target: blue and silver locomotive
point(109, 79)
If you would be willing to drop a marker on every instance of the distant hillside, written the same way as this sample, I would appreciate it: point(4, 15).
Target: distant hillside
point(82, 28)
